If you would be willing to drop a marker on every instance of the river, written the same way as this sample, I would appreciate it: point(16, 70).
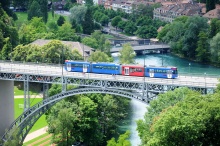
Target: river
point(184, 66)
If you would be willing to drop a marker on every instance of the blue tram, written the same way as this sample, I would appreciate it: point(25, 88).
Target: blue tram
point(161, 72)
point(117, 69)
point(76, 66)
point(106, 68)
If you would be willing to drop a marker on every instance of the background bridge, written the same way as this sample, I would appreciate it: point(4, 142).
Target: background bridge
point(132, 87)
point(156, 48)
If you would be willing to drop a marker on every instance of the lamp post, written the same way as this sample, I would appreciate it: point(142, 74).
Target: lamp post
point(144, 74)
point(189, 67)
point(205, 81)
point(162, 55)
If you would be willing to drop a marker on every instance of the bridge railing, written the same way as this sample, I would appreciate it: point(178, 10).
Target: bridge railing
point(29, 63)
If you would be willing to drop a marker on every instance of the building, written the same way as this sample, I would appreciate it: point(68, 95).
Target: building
point(169, 12)
point(123, 5)
point(83, 49)
point(213, 13)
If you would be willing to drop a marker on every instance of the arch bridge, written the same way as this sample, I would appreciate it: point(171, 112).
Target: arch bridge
point(138, 88)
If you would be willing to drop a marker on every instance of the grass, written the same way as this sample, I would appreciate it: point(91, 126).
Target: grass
point(38, 139)
point(18, 102)
point(22, 18)
point(19, 92)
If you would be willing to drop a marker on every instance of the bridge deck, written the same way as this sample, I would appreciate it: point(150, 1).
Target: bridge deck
point(57, 71)
point(142, 48)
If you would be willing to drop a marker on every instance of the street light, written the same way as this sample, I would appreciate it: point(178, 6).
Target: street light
point(205, 81)
point(189, 67)
point(144, 74)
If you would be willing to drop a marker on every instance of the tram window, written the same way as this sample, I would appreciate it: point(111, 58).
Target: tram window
point(77, 65)
point(138, 70)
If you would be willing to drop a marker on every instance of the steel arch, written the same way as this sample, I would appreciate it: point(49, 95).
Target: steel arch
point(31, 115)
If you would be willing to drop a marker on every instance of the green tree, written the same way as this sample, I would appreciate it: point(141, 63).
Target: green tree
point(38, 9)
point(7, 29)
point(88, 24)
point(202, 51)
point(214, 48)
point(89, 3)
point(115, 21)
point(66, 33)
point(210, 5)
point(146, 32)
point(122, 140)
point(53, 27)
point(61, 20)
point(104, 20)
point(77, 13)
point(130, 27)
point(160, 105)
point(14, 138)
point(122, 25)
point(99, 56)
point(108, 47)
point(89, 41)
point(214, 27)
point(34, 10)
point(194, 25)
point(6, 50)
point(61, 122)
point(127, 54)
point(188, 123)
point(35, 29)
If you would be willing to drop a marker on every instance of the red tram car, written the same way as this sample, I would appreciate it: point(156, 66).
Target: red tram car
point(132, 70)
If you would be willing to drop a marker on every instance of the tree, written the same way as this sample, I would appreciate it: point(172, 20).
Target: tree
point(7, 29)
point(127, 54)
point(130, 28)
point(6, 50)
point(61, 20)
point(159, 105)
point(88, 24)
point(122, 140)
point(214, 48)
point(146, 32)
point(77, 13)
point(115, 21)
point(53, 27)
point(99, 56)
point(122, 25)
point(210, 5)
point(104, 20)
point(89, 3)
point(53, 52)
point(66, 33)
point(194, 25)
point(202, 51)
point(188, 123)
point(35, 29)
point(61, 122)
point(38, 9)
point(92, 42)
point(34, 10)
point(214, 27)
point(13, 139)
point(107, 47)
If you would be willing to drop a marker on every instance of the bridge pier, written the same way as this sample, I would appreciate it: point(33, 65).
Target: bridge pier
point(6, 104)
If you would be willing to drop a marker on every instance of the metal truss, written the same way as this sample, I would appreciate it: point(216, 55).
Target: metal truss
point(45, 90)
point(103, 83)
point(31, 115)
point(26, 93)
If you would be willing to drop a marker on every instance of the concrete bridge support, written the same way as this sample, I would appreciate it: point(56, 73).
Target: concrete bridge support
point(6, 104)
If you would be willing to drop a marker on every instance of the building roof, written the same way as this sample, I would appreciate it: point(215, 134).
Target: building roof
point(72, 45)
point(212, 14)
